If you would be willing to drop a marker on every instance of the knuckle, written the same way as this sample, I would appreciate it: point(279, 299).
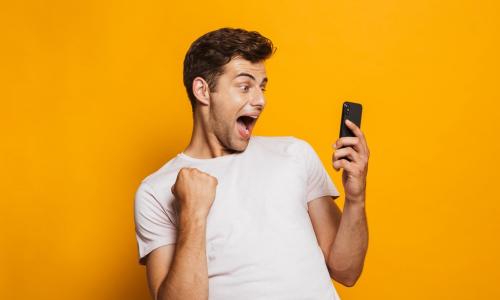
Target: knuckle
point(183, 172)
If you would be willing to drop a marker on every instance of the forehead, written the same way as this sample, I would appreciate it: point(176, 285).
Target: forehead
point(238, 65)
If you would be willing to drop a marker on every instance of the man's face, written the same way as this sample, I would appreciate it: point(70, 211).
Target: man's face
point(238, 101)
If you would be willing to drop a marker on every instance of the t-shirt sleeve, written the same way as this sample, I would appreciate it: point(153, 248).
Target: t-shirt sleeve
point(319, 182)
point(154, 226)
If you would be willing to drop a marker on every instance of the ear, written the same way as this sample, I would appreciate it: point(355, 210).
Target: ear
point(201, 90)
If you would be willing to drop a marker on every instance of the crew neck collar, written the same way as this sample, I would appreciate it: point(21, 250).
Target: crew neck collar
point(218, 158)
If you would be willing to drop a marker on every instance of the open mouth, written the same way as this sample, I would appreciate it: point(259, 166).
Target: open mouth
point(245, 125)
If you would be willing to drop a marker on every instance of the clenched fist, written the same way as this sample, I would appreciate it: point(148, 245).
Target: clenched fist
point(194, 191)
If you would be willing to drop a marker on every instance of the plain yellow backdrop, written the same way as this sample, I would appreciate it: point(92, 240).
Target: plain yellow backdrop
point(92, 101)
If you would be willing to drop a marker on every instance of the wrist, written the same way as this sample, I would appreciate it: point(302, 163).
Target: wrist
point(355, 200)
point(190, 220)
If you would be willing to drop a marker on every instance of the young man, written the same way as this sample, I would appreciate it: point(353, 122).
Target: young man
point(236, 216)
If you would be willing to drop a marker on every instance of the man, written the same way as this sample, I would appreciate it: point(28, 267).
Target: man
point(236, 216)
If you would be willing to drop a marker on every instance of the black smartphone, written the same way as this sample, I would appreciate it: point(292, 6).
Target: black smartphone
point(351, 111)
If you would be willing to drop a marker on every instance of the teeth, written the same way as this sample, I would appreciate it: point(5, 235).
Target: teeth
point(253, 117)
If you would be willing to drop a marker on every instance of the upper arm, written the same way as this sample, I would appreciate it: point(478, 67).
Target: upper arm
point(155, 233)
point(323, 211)
point(157, 266)
point(325, 217)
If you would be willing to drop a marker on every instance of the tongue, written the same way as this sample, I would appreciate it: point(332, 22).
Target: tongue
point(242, 128)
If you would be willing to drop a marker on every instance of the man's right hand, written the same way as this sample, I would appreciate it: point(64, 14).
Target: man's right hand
point(180, 270)
point(194, 191)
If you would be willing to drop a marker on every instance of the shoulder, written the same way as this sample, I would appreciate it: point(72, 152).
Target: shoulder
point(159, 182)
point(284, 144)
point(290, 147)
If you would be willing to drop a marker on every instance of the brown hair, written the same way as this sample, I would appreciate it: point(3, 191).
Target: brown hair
point(209, 53)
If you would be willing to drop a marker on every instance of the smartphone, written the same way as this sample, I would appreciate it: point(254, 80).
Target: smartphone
point(351, 111)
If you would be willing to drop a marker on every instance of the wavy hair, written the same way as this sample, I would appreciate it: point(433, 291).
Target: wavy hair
point(208, 54)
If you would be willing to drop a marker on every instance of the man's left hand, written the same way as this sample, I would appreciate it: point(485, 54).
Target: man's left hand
point(354, 174)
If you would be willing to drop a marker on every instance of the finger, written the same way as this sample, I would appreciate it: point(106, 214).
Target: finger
point(347, 152)
point(342, 164)
point(356, 130)
point(349, 141)
point(358, 133)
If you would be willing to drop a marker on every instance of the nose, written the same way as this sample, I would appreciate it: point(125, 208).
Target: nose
point(259, 99)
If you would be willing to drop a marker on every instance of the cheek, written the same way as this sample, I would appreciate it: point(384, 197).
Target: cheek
point(223, 117)
point(226, 109)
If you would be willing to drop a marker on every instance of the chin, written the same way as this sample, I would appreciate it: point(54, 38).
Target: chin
point(240, 145)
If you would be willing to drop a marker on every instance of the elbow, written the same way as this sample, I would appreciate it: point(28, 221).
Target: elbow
point(349, 282)
point(346, 278)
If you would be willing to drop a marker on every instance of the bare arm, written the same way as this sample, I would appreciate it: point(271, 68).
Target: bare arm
point(158, 263)
point(342, 237)
point(186, 277)
point(347, 254)
point(180, 271)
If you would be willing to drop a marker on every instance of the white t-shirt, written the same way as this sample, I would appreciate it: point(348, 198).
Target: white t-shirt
point(260, 243)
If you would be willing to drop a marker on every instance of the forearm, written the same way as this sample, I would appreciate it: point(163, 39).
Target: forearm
point(347, 253)
point(188, 274)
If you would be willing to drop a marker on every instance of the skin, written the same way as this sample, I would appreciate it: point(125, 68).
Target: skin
point(179, 271)
point(214, 131)
point(343, 236)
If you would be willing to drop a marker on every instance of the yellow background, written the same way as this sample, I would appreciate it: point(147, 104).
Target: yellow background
point(92, 101)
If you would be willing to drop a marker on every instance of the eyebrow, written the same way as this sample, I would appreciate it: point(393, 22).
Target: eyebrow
point(251, 76)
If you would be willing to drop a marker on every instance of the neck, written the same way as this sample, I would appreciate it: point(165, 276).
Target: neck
point(204, 143)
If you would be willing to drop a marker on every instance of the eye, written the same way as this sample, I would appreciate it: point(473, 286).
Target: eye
point(263, 89)
point(245, 88)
